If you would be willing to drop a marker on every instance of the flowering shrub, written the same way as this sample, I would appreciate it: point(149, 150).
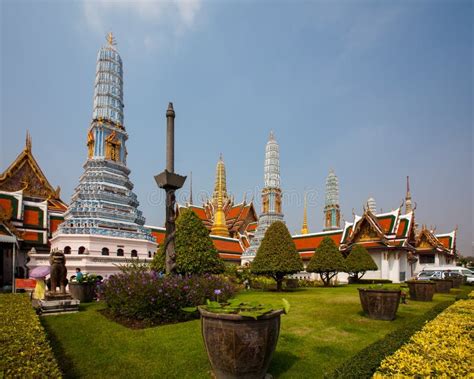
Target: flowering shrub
point(24, 348)
point(143, 295)
point(443, 348)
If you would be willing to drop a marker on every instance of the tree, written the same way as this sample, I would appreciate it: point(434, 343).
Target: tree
point(195, 251)
point(358, 262)
point(327, 261)
point(277, 255)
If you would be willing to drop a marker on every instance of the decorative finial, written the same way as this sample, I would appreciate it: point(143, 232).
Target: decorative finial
point(111, 39)
point(408, 184)
point(28, 141)
point(170, 110)
point(221, 157)
point(272, 136)
point(304, 229)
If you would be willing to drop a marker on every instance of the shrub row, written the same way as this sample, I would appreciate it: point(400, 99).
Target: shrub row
point(24, 348)
point(443, 348)
point(373, 281)
point(365, 362)
point(143, 295)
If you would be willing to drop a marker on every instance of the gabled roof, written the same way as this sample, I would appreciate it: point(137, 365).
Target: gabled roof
point(24, 174)
point(448, 240)
point(404, 225)
point(366, 229)
point(427, 241)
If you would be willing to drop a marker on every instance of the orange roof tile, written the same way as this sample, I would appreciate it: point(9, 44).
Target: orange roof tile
point(310, 242)
point(227, 245)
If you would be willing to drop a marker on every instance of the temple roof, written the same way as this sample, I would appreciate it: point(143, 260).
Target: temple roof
point(25, 175)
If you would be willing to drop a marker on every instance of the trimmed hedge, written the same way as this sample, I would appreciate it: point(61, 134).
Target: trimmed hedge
point(24, 348)
point(443, 348)
point(373, 281)
point(365, 362)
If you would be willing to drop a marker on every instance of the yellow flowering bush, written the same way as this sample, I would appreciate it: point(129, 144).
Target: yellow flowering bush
point(24, 348)
point(443, 348)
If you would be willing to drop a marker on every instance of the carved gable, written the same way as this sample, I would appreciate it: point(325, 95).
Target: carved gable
point(366, 232)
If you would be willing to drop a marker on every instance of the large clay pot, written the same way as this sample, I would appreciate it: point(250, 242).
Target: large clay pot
point(379, 304)
point(240, 347)
point(457, 281)
point(421, 290)
point(443, 285)
point(84, 292)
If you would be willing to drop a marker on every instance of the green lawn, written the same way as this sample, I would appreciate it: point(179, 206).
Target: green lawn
point(325, 326)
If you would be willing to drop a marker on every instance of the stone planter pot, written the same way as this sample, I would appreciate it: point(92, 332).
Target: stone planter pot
point(240, 347)
point(421, 290)
point(380, 304)
point(457, 281)
point(443, 285)
point(84, 292)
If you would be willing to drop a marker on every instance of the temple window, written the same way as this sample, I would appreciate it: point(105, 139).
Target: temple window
point(134, 254)
point(81, 250)
point(119, 252)
point(427, 258)
point(67, 250)
point(105, 251)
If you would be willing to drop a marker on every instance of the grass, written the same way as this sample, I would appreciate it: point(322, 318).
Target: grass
point(325, 327)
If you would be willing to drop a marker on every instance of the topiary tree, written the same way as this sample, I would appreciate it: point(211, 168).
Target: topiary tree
point(358, 262)
point(277, 255)
point(327, 261)
point(195, 251)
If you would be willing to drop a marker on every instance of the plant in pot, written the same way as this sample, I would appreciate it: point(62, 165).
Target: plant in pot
point(443, 285)
point(421, 290)
point(240, 337)
point(380, 302)
point(83, 287)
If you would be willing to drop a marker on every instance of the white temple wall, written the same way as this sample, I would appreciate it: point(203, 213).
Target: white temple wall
point(92, 261)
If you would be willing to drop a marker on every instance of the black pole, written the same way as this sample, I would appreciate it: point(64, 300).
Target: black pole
point(170, 182)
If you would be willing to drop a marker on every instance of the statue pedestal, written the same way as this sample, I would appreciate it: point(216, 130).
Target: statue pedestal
point(58, 303)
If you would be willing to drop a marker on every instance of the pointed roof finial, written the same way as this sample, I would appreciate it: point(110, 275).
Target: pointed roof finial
point(28, 141)
point(408, 184)
point(272, 136)
point(111, 39)
point(221, 157)
point(304, 229)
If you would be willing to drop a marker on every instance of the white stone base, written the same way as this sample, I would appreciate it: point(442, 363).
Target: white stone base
point(92, 261)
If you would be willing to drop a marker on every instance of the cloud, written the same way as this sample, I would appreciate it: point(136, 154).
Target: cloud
point(175, 17)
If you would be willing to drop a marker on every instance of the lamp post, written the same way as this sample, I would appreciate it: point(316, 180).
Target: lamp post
point(170, 182)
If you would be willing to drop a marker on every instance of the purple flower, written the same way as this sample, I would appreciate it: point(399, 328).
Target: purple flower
point(217, 292)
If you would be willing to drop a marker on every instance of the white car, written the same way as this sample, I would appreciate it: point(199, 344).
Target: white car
point(438, 273)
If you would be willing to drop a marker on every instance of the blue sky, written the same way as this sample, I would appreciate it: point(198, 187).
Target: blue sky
point(375, 90)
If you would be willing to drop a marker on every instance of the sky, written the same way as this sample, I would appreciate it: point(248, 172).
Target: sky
point(376, 90)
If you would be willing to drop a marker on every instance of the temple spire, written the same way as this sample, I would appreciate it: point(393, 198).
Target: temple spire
point(220, 183)
point(408, 206)
point(332, 213)
point(219, 226)
point(304, 229)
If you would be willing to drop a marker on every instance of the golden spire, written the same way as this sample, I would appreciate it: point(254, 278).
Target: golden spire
point(111, 39)
point(304, 229)
point(219, 227)
point(220, 183)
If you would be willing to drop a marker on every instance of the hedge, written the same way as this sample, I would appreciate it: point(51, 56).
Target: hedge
point(24, 348)
point(373, 281)
point(443, 348)
point(365, 362)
